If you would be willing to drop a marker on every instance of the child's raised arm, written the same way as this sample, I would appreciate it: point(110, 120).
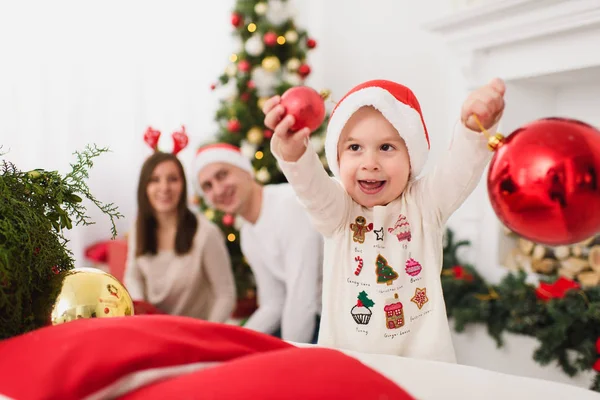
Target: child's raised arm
point(457, 174)
point(324, 198)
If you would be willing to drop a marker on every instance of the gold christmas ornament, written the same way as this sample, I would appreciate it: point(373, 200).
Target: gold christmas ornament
point(255, 135)
point(291, 36)
point(293, 64)
point(260, 8)
point(271, 64)
point(261, 102)
point(231, 70)
point(90, 293)
point(209, 213)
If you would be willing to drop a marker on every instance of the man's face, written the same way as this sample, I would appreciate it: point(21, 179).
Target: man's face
point(226, 187)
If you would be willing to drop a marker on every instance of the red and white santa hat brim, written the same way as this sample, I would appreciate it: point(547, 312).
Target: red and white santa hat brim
point(219, 152)
point(398, 105)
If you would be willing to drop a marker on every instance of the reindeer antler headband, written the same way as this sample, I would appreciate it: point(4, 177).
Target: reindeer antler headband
point(180, 139)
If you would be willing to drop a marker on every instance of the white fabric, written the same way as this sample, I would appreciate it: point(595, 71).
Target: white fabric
point(198, 284)
point(285, 254)
point(426, 204)
point(404, 118)
point(218, 154)
point(433, 380)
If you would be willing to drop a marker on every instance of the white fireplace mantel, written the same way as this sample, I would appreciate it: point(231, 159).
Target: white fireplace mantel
point(512, 38)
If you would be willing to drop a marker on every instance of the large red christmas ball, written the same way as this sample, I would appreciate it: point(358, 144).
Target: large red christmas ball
point(270, 39)
point(543, 181)
point(306, 105)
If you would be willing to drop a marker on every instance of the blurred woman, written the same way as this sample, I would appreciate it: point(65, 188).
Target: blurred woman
point(177, 259)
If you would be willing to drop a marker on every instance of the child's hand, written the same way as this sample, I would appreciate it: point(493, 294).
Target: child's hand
point(291, 144)
point(487, 103)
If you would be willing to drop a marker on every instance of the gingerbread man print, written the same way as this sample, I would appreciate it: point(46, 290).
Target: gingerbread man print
point(360, 228)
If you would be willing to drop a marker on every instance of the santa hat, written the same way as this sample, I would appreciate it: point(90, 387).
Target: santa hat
point(398, 105)
point(219, 152)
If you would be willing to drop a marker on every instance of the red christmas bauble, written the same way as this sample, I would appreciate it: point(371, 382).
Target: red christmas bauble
point(244, 65)
point(544, 181)
point(304, 70)
point(251, 85)
point(270, 38)
point(268, 134)
point(236, 20)
point(213, 86)
point(306, 105)
point(228, 220)
point(245, 96)
point(233, 125)
point(311, 43)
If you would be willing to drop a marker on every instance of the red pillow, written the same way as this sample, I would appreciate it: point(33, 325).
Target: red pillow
point(111, 356)
point(295, 373)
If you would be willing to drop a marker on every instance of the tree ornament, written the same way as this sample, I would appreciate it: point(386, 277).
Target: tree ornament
point(255, 135)
point(251, 85)
point(311, 43)
point(244, 66)
point(306, 105)
point(263, 175)
point(271, 64)
point(254, 46)
point(268, 134)
point(292, 78)
point(247, 149)
point(233, 125)
point(230, 70)
point(209, 213)
point(270, 39)
point(90, 293)
point(291, 36)
point(228, 219)
point(277, 13)
point(543, 181)
point(245, 97)
point(237, 19)
point(304, 70)
point(293, 64)
point(260, 8)
point(213, 86)
point(261, 102)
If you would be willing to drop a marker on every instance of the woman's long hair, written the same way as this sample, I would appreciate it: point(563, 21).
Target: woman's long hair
point(146, 224)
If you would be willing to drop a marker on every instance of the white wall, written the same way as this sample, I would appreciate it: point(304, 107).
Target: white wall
point(74, 73)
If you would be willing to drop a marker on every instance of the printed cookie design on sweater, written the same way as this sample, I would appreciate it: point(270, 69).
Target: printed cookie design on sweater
point(385, 273)
point(413, 268)
point(394, 313)
point(361, 312)
point(401, 229)
point(359, 266)
point(360, 228)
point(379, 234)
point(420, 297)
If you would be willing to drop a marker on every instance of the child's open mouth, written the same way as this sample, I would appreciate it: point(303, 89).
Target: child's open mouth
point(371, 186)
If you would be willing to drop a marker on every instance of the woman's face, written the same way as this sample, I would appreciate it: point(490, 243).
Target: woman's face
point(165, 187)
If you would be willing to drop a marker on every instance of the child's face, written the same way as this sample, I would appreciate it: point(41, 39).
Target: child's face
point(374, 161)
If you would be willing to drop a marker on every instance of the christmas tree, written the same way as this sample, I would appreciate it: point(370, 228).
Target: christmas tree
point(385, 273)
point(271, 58)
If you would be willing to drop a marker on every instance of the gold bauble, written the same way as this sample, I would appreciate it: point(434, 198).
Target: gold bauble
point(293, 64)
point(261, 8)
point(261, 102)
point(90, 293)
point(209, 213)
point(255, 135)
point(291, 36)
point(271, 63)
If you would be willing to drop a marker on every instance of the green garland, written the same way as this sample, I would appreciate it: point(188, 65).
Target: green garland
point(35, 207)
point(563, 325)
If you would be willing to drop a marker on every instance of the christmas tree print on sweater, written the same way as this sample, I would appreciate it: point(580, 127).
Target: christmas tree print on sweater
point(385, 273)
point(401, 229)
point(361, 312)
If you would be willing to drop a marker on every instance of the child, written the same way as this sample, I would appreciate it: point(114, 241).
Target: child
point(383, 228)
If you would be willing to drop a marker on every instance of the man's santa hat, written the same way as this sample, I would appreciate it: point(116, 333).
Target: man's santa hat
point(219, 152)
point(398, 105)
